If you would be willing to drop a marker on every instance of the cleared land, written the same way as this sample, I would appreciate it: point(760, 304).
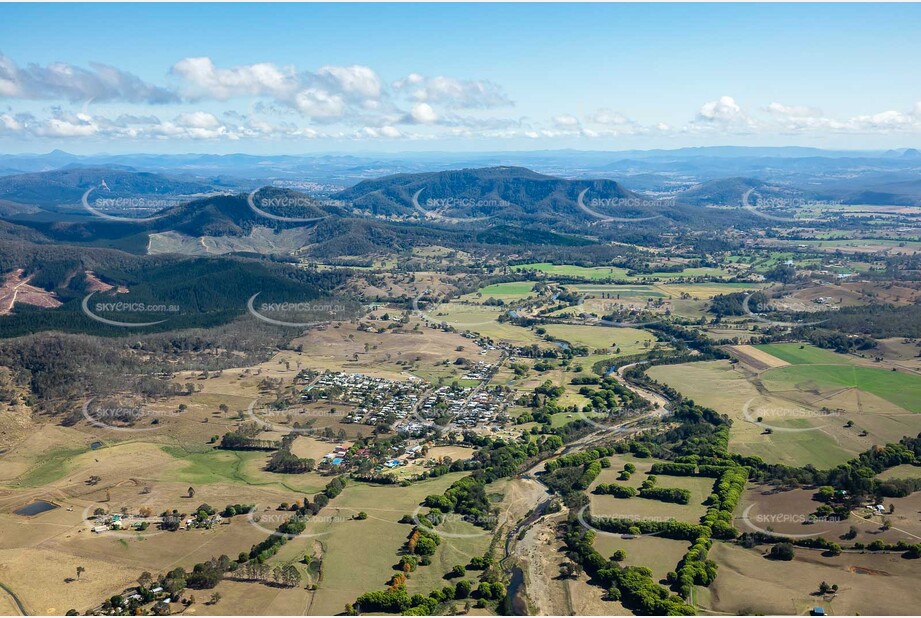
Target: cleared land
point(757, 359)
point(507, 292)
point(750, 584)
point(718, 385)
point(627, 340)
point(765, 508)
point(644, 508)
point(350, 567)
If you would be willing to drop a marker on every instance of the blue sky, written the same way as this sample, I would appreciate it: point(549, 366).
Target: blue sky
point(389, 77)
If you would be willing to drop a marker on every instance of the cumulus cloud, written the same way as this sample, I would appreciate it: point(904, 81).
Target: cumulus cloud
point(330, 92)
point(724, 112)
point(611, 118)
point(451, 92)
point(566, 121)
point(794, 111)
point(357, 80)
point(319, 103)
point(353, 102)
point(423, 113)
point(62, 81)
point(201, 79)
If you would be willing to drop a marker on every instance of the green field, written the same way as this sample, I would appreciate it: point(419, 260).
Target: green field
point(359, 556)
point(717, 385)
point(581, 272)
point(643, 508)
point(480, 319)
point(53, 465)
point(905, 471)
point(815, 369)
point(629, 340)
point(510, 291)
point(245, 467)
point(804, 354)
point(620, 291)
point(595, 273)
point(902, 389)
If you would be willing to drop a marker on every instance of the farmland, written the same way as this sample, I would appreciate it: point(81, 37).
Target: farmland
point(471, 426)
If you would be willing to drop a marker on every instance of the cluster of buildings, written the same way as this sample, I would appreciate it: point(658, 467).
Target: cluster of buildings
point(138, 523)
point(467, 407)
point(104, 523)
point(375, 400)
point(480, 371)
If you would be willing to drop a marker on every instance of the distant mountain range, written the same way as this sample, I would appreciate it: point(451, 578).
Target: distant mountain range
point(729, 192)
point(797, 166)
point(503, 192)
point(62, 189)
point(500, 205)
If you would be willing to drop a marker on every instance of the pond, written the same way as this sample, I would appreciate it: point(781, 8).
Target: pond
point(36, 508)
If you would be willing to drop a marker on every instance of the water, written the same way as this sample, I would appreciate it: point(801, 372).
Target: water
point(36, 508)
point(515, 599)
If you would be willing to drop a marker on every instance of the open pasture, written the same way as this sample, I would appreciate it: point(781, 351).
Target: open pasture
point(750, 584)
point(644, 508)
point(350, 569)
point(481, 319)
point(627, 340)
point(507, 292)
point(718, 385)
point(766, 509)
point(658, 554)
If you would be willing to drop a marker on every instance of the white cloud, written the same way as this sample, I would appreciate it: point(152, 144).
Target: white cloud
point(609, 117)
point(451, 92)
point(357, 80)
point(203, 80)
point(566, 121)
point(794, 111)
point(318, 103)
point(723, 111)
point(353, 102)
point(61, 81)
point(329, 93)
point(423, 113)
